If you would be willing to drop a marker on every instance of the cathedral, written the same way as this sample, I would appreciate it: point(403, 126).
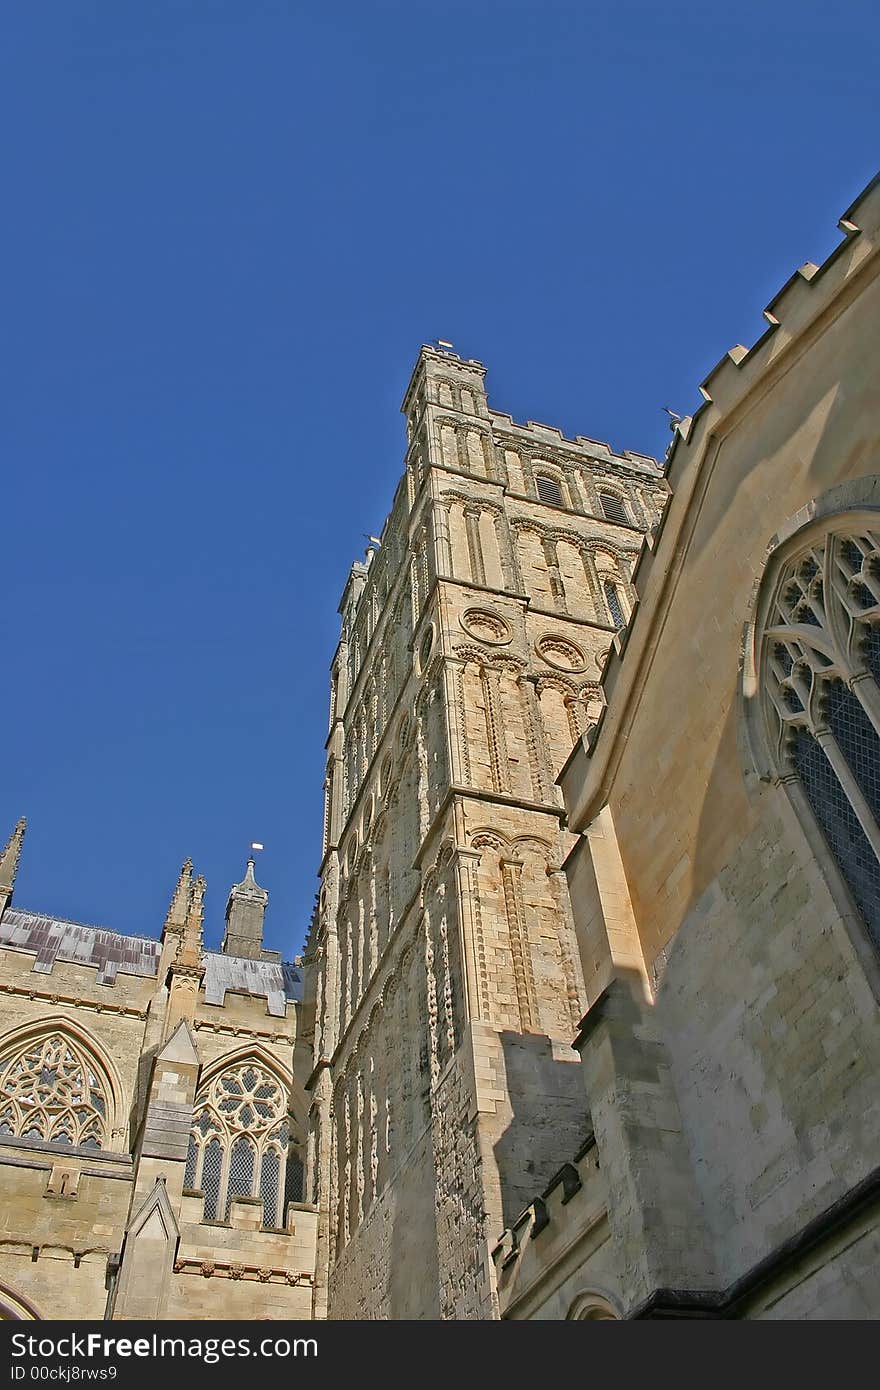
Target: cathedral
point(586, 1024)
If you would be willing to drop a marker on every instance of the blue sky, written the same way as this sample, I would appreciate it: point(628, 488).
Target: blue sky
point(227, 228)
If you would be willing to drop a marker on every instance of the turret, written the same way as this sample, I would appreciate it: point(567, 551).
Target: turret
point(245, 910)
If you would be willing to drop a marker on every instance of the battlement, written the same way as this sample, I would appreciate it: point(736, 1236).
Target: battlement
point(799, 301)
point(574, 1200)
point(597, 449)
point(795, 316)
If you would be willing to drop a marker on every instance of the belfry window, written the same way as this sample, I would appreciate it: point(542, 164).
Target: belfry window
point(820, 666)
point(549, 490)
point(613, 508)
point(240, 1143)
point(52, 1090)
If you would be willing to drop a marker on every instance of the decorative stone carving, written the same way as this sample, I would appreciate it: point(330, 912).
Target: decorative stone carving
point(561, 653)
point(486, 626)
point(425, 648)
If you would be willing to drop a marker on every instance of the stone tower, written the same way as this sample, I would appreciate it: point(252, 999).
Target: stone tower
point(245, 910)
point(443, 971)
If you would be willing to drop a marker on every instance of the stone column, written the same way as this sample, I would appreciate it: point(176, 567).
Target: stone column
point(511, 576)
point(473, 949)
point(425, 931)
point(495, 728)
point(551, 558)
point(520, 947)
point(461, 446)
point(442, 539)
point(589, 564)
point(475, 548)
point(456, 728)
point(571, 971)
point(542, 780)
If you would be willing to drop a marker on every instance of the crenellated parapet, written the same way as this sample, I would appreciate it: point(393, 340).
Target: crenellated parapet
point(742, 382)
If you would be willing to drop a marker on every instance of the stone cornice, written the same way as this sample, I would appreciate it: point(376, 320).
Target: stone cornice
point(231, 1269)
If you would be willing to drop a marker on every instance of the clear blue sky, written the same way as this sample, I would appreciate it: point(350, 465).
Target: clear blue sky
point(227, 228)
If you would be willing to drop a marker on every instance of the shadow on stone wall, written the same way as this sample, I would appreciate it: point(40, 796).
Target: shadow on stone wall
point(550, 1118)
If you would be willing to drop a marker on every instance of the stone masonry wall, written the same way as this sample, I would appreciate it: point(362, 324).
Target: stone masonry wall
point(473, 639)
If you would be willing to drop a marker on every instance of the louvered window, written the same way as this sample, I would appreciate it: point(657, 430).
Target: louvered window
point(613, 508)
point(549, 490)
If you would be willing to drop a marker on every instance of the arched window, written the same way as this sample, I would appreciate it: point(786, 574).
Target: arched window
point(549, 490)
point(615, 607)
point(240, 1142)
point(819, 655)
point(613, 508)
point(591, 1307)
point(52, 1089)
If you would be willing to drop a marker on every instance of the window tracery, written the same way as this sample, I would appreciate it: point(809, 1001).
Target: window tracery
point(52, 1090)
point(820, 669)
point(240, 1143)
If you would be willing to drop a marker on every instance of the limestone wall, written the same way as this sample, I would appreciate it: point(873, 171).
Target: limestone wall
point(735, 1106)
point(447, 978)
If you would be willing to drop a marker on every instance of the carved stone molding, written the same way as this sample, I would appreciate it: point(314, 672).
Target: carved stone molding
point(561, 653)
point(486, 625)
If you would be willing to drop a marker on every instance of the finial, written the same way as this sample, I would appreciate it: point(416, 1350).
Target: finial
point(9, 861)
point(177, 912)
point(190, 952)
point(196, 913)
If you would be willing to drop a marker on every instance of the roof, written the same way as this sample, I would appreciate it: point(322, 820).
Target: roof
point(271, 980)
point(111, 952)
point(54, 938)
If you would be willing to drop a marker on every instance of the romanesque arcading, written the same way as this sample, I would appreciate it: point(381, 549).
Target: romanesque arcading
point(446, 975)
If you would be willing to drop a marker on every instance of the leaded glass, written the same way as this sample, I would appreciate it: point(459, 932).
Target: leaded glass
point(294, 1178)
point(614, 606)
point(242, 1113)
point(241, 1171)
point(841, 827)
point(820, 651)
point(192, 1158)
point(269, 1187)
point(212, 1168)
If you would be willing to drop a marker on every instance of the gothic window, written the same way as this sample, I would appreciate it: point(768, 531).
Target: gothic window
point(52, 1090)
point(615, 607)
point(820, 665)
point(549, 490)
point(240, 1141)
point(613, 508)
